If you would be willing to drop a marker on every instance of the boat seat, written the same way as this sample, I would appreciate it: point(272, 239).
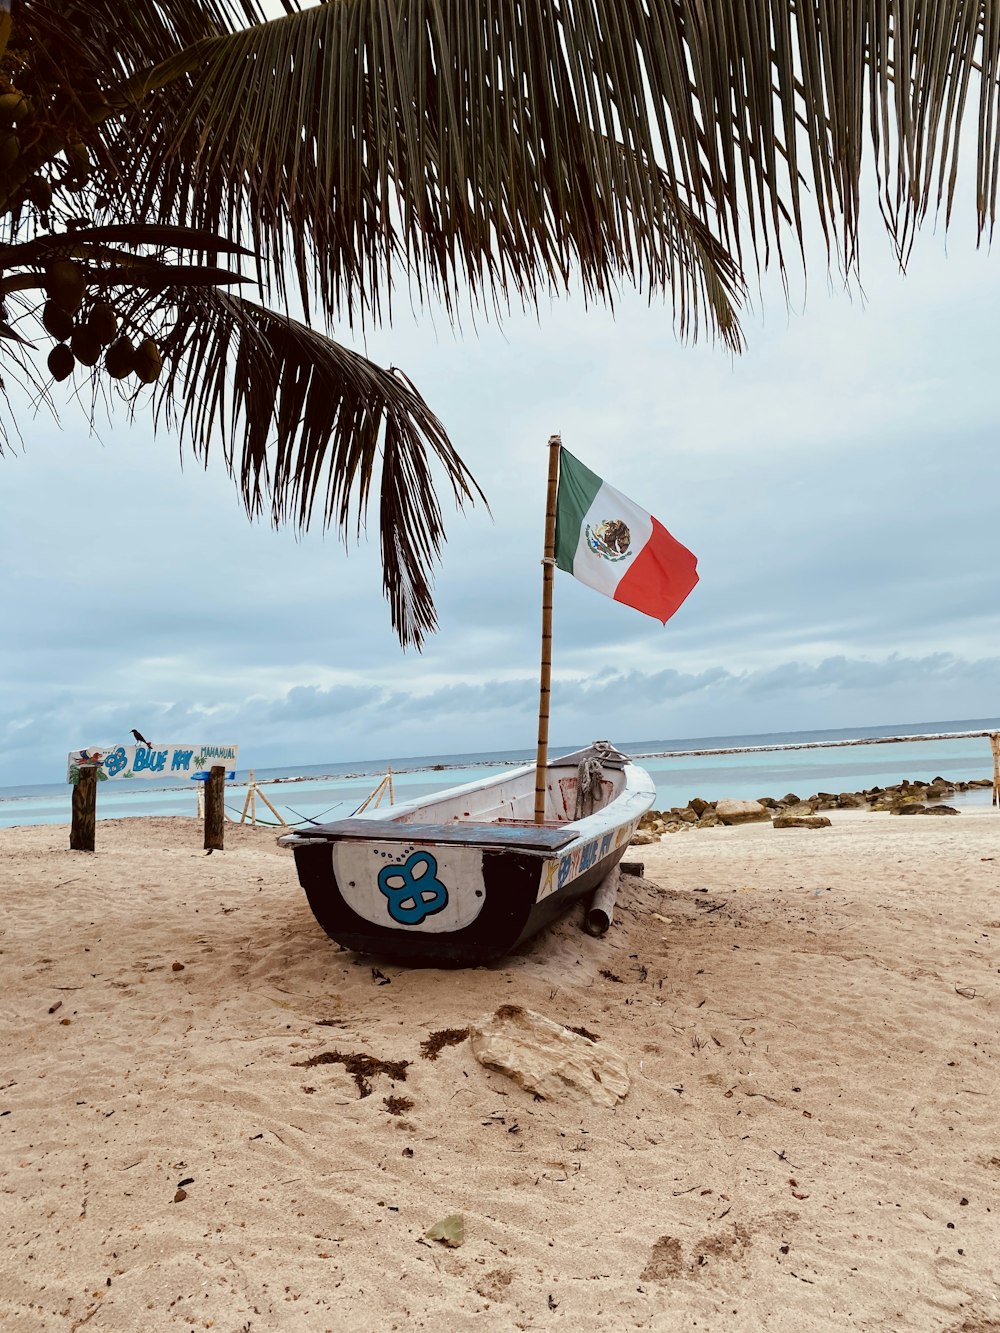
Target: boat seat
point(529, 837)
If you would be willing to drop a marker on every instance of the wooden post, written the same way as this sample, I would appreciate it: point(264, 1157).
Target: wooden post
point(282, 822)
point(258, 792)
point(995, 746)
point(81, 834)
point(215, 795)
point(374, 796)
point(253, 791)
point(246, 803)
point(545, 676)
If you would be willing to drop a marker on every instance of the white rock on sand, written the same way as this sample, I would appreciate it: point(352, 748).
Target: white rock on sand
point(810, 1140)
point(549, 1060)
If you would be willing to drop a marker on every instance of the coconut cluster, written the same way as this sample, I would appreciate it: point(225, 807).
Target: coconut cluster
point(86, 331)
point(15, 112)
point(16, 131)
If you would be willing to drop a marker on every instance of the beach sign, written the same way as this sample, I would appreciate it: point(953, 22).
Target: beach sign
point(152, 761)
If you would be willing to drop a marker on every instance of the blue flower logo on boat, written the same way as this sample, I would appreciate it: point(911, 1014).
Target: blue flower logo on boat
point(413, 889)
point(610, 539)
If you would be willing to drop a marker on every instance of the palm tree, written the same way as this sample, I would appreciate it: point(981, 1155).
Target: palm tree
point(157, 159)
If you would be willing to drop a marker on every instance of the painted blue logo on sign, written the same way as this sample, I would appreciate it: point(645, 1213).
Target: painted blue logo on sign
point(413, 889)
point(116, 761)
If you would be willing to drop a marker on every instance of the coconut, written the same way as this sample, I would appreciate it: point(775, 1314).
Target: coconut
point(61, 362)
point(85, 346)
point(39, 192)
point(78, 157)
point(102, 322)
point(146, 362)
point(57, 322)
point(65, 284)
point(14, 108)
point(10, 150)
point(118, 359)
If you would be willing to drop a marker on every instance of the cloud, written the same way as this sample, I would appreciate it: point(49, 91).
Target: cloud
point(336, 724)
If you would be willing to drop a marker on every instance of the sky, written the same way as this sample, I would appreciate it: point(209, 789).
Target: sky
point(838, 482)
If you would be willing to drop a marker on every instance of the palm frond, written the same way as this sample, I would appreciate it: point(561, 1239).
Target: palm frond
point(303, 422)
point(50, 245)
point(352, 141)
point(88, 38)
point(504, 149)
point(508, 146)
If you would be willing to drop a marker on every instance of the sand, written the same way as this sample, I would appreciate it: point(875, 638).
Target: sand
point(811, 1139)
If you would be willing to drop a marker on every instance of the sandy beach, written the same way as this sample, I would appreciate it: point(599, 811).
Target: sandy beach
point(811, 1140)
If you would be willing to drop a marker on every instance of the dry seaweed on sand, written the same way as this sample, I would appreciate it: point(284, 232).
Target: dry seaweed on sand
point(360, 1067)
point(397, 1105)
point(435, 1042)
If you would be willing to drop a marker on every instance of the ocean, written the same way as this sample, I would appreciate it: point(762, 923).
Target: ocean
point(334, 791)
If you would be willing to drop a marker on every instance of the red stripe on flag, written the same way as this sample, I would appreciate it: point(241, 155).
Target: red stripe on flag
point(661, 576)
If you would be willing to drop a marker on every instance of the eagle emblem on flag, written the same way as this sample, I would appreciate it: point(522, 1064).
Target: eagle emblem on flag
point(610, 539)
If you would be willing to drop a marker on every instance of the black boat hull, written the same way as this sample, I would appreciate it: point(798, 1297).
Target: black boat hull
point(511, 913)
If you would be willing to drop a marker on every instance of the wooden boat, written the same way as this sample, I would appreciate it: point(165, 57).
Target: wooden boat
point(464, 876)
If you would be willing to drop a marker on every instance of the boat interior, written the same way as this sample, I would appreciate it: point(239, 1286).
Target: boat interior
point(510, 799)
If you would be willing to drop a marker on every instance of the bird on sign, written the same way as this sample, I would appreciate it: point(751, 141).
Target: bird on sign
point(141, 739)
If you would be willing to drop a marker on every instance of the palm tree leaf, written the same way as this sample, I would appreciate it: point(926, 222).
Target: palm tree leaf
point(510, 146)
point(345, 137)
point(124, 267)
point(303, 422)
point(504, 150)
point(88, 32)
point(158, 276)
point(343, 176)
point(9, 332)
point(159, 236)
point(91, 242)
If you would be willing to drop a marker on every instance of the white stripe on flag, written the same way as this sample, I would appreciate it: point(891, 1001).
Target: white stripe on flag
point(596, 569)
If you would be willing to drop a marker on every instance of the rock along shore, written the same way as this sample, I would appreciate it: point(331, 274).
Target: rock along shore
point(792, 811)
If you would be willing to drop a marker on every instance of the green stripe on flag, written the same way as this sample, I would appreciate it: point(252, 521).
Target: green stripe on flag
point(577, 488)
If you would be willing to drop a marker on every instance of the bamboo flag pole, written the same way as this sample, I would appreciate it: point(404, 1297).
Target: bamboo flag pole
point(545, 676)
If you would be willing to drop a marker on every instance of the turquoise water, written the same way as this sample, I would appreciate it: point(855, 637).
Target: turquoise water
point(332, 791)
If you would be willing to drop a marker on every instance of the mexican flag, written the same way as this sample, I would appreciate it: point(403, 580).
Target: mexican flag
point(608, 542)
